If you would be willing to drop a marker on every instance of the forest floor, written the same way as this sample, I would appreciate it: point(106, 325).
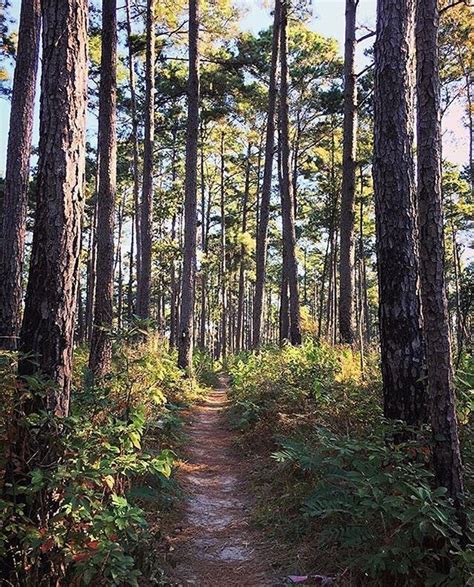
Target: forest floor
point(214, 542)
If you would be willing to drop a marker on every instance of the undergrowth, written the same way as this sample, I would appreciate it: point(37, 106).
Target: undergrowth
point(331, 485)
point(101, 501)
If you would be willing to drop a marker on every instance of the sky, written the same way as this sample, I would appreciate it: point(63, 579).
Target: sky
point(327, 19)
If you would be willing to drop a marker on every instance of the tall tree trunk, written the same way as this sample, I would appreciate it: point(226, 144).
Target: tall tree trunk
point(186, 334)
point(91, 266)
point(262, 231)
point(134, 138)
point(101, 344)
point(17, 173)
point(203, 317)
point(288, 212)
point(347, 248)
point(223, 255)
point(130, 269)
point(46, 339)
point(146, 209)
point(446, 451)
point(400, 315)
point(284, 302)
point(241, 294)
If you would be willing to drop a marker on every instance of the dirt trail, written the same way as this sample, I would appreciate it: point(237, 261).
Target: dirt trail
point(216, 544)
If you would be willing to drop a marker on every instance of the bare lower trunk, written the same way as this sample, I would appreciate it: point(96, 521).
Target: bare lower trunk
point(241, 294)
point(400, 313)
point(288, 212)
point(46, 340)
point(223, 350)
point(446, 450)
point(134, 138)
point(101, 343)
point(264, 213)
point(17, 173)
point(146, 211)
point(347, 248)
point(186, 330)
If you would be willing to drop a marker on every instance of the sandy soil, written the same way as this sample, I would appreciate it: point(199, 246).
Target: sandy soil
point(216, 543)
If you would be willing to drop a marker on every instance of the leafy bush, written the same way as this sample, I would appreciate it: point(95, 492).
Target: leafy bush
point(377, 504)
point(342, 496)
point(295, 385)
point(83, 519)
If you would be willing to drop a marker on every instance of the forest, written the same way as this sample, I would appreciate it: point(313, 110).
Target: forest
point(236, 293)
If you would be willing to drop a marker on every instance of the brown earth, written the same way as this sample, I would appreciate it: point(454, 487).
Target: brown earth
point(215, 542)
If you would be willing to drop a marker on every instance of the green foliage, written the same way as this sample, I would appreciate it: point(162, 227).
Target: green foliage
point(377, 504)
point(83, 518)
point(290, 385)
point(338, 491)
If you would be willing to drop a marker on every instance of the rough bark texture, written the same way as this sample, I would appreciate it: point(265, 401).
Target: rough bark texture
point(47, 333)
point(288, 210)
point(347, 249)
point(264, 211)
point(146, 208)
point(446, 452)
point(101, 343)
point(17, 173)
point(400, 315)
point(186, 330)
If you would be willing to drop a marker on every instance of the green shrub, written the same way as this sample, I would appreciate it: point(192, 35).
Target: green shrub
point(83, 520)
point(339, 492)
point(377, 504)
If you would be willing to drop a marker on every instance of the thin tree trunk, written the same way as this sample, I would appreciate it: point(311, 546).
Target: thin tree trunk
point(186, 334)
point(134, 138)
point(100, 357)
point(91, 266)
point(203, 317)
point(400, 313)
point(262, 232)
point(347, 248)
point(130, 272)
point(223, 255)
point(288, 212)
point(241, 294)
point(17, 173)
point(446, 449)
point(146, 211)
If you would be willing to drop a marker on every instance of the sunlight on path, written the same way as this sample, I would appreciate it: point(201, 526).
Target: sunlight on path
point(216, 545)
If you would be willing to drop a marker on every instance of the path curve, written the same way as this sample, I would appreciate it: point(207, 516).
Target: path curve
point(216, 545)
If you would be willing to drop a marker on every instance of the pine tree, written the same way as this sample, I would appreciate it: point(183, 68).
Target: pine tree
point(101, 344)
point(186, 330)
point(347, 249)
point(17, 173)
point(446, 450)
point(393, 169)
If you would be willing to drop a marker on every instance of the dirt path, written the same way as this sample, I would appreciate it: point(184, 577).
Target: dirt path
point(216, 544)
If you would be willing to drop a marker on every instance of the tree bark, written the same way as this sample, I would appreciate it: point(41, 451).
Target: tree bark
point(262, 232)
point(446, 450)
point(347, 246)
point(46, 340)
point(100, 357)
point(17, 173)
point(400, 315)
point(185, 343)
point(146, 209)
point(134, 137)
point(288, 212)
point(223, 347)
point(241, 294)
